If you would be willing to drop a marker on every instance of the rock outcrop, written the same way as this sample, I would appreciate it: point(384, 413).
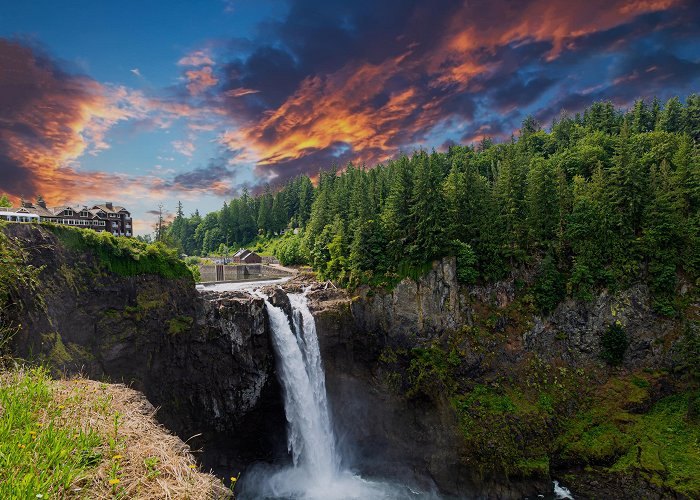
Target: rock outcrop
point(204, 359)
point(417, 312)
point(390, 434)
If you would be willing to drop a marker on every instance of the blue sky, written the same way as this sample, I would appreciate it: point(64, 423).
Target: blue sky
point(153, 102)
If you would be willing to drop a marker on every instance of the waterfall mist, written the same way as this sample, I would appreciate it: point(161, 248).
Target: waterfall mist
point(317, 470)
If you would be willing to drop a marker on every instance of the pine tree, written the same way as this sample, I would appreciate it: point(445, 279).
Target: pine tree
point(692, 112)
point(396, 218)
point(641, 119)
point(542, 203)
point(427, 210)
point(671, 119)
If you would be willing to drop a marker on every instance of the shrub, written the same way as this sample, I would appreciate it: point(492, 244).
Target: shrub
point(549, 288)
point(614, 344)
point(291, 250)
point(467, 272)
point(124, 256)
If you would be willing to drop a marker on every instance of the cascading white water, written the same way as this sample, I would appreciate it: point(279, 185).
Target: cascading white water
point(317, 472)
point(310, 437)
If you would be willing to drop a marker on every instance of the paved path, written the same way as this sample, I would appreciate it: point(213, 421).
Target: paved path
point(290, 270)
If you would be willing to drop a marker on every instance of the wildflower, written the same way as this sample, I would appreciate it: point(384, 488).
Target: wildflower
point(39, 495)
point(61, 407)
point(114, 481)
point(234, 479)
point(117, 457)
point(192, 466)
point(21, 446)
point(32, 433)
point(40, 424)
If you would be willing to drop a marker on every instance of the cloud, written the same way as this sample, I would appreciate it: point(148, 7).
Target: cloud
point(196, 58)
point(337, 83)
point(185, 148)
point(216, 178)
point(51, 118)
point(240, 92)
point(200, 80)
point(350, 81)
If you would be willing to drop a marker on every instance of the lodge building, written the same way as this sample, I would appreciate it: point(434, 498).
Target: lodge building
point(108, 217)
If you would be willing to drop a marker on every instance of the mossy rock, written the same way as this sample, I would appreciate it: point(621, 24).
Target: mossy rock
point(179, 324)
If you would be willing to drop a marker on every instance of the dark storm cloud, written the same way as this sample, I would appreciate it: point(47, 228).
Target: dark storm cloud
point(338, 81)
point(215, 178)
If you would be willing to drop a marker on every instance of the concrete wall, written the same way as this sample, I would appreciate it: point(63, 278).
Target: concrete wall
point(207, 273)
point(239, 272)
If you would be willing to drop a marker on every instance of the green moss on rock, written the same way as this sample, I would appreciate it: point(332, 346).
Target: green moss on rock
point(179, 324)
point(664, 447)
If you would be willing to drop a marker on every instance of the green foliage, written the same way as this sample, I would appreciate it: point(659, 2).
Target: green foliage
point(291, 250)
point(5, 201)
point(660, 445)
point(689, 362)
point(40, 457)
point(15, 273)
point(467, 271)
point(663, 447)
point(124, 256)
point(431, 371)
point(614, 343)
point(549, 287)
point(179, 324)
point(610, 198)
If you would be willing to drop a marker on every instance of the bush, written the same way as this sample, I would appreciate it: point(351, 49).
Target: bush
point(614, 344)
point(291, 250)
point(549, 288)
point(466, 263)
point(124, 256)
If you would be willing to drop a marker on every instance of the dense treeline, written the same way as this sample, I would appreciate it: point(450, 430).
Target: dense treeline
point(603, 199)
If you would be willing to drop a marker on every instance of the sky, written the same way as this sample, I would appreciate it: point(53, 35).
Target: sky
point(153, 102)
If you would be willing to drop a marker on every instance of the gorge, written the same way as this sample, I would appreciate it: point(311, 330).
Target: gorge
point(442, 388)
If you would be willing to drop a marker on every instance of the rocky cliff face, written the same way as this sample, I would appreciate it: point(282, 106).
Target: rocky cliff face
point(496, 334)
point(416, 312)
point(205, 360)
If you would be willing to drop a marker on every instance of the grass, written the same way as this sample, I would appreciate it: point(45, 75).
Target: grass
point(41, 452)
point(81, 438)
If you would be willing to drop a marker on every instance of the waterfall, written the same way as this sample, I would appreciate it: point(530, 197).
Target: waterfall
point(317, 472)
point(310, 437)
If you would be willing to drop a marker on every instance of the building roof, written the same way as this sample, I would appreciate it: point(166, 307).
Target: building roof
point(242, 252)
point(250, 255)
point(41, 211)
point(114, 210)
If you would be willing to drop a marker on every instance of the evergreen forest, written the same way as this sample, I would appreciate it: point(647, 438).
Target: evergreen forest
point(602, 199)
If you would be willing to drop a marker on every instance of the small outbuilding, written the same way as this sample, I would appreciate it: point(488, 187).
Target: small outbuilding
point(251, 258)
point(245, 256)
